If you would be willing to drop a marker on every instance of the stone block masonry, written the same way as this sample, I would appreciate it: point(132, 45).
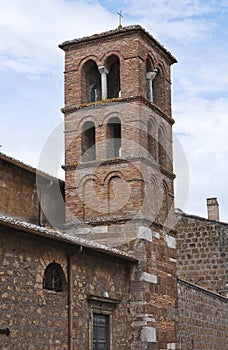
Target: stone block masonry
point(202, 247)
point(203, 318)
point(37, 318)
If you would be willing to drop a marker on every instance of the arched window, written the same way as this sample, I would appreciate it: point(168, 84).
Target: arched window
point(149, 68)
point(54, 278)
point(149, 65)
point(91, 82)
point(88, 139)
point(159, 89)
point(151, 139)
point(113, 66)
point(114, 138)
point(161, 147)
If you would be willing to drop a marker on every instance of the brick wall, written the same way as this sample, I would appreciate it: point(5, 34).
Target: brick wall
point(138, 168)
point(203, 318)
point(22, 189)
point(18, 192)
point(202, 252)
point(132, 46)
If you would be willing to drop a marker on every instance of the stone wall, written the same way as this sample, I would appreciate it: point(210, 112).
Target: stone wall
point(203, 318)
point(38, 318)
point(202, 252)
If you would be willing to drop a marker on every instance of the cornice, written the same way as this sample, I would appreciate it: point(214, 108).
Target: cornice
point(116, 34)
point(102, 103)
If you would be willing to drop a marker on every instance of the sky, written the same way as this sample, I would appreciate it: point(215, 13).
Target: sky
point(31, 82)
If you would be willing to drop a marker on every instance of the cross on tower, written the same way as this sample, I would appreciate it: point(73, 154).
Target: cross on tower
point(120, 19)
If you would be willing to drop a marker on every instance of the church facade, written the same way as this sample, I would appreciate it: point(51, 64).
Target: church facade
point(108, 276)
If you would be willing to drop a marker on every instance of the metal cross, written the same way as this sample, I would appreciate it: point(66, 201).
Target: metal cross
point(120, 18)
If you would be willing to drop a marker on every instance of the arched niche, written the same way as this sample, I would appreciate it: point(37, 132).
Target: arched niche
point(88, 142)
point(113, 134)
point(159, 88)
point(161, 147)
point(151, 139)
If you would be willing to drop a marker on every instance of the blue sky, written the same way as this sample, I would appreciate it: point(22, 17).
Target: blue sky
point(195, 31)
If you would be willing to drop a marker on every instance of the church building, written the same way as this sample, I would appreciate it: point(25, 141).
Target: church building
point(102, 261)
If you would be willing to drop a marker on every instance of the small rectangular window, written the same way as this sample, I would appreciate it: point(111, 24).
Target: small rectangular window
point(101, 323)
point(101, 339)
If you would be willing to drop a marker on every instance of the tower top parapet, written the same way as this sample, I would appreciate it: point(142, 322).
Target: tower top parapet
point(113, 34)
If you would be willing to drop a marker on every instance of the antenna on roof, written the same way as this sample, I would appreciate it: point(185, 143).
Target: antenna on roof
point(120, 19)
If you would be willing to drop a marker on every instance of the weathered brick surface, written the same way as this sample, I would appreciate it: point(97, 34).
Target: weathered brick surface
point(18, 192)
point(202, 247)
point(142, 177)
point(24, 191)
point(203, 318)
point(133, 47)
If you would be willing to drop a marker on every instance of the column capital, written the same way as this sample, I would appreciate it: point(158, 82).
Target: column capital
point(103, 70)
point(151, 75)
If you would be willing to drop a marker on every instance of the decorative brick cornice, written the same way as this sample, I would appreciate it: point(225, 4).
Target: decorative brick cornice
point(129, 99)
point(116, 34)
point(110, 161)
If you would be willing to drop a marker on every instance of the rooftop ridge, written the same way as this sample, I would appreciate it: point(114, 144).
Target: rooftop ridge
point(179, 212)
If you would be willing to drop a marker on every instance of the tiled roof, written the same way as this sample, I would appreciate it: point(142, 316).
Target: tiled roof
point(63, 237)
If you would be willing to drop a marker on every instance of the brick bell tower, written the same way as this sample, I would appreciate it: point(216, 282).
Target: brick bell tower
point(119, 166)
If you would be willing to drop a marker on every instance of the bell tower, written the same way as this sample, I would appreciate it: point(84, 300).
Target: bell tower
point(118, 129)
point(119, 165)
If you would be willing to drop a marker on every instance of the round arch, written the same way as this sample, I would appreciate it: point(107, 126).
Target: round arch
point(112, 63)
point(91, 82)
point(113, 137)
point(54, 278)
point(161, 146)
point(88, 141)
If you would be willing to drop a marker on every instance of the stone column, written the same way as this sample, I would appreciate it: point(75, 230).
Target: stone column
point(150, 77)
point(104, 87)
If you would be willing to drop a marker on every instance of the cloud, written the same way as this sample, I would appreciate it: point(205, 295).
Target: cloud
point(195, 31)
point(179, 19)
point(201, 128)
point(31, 31)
